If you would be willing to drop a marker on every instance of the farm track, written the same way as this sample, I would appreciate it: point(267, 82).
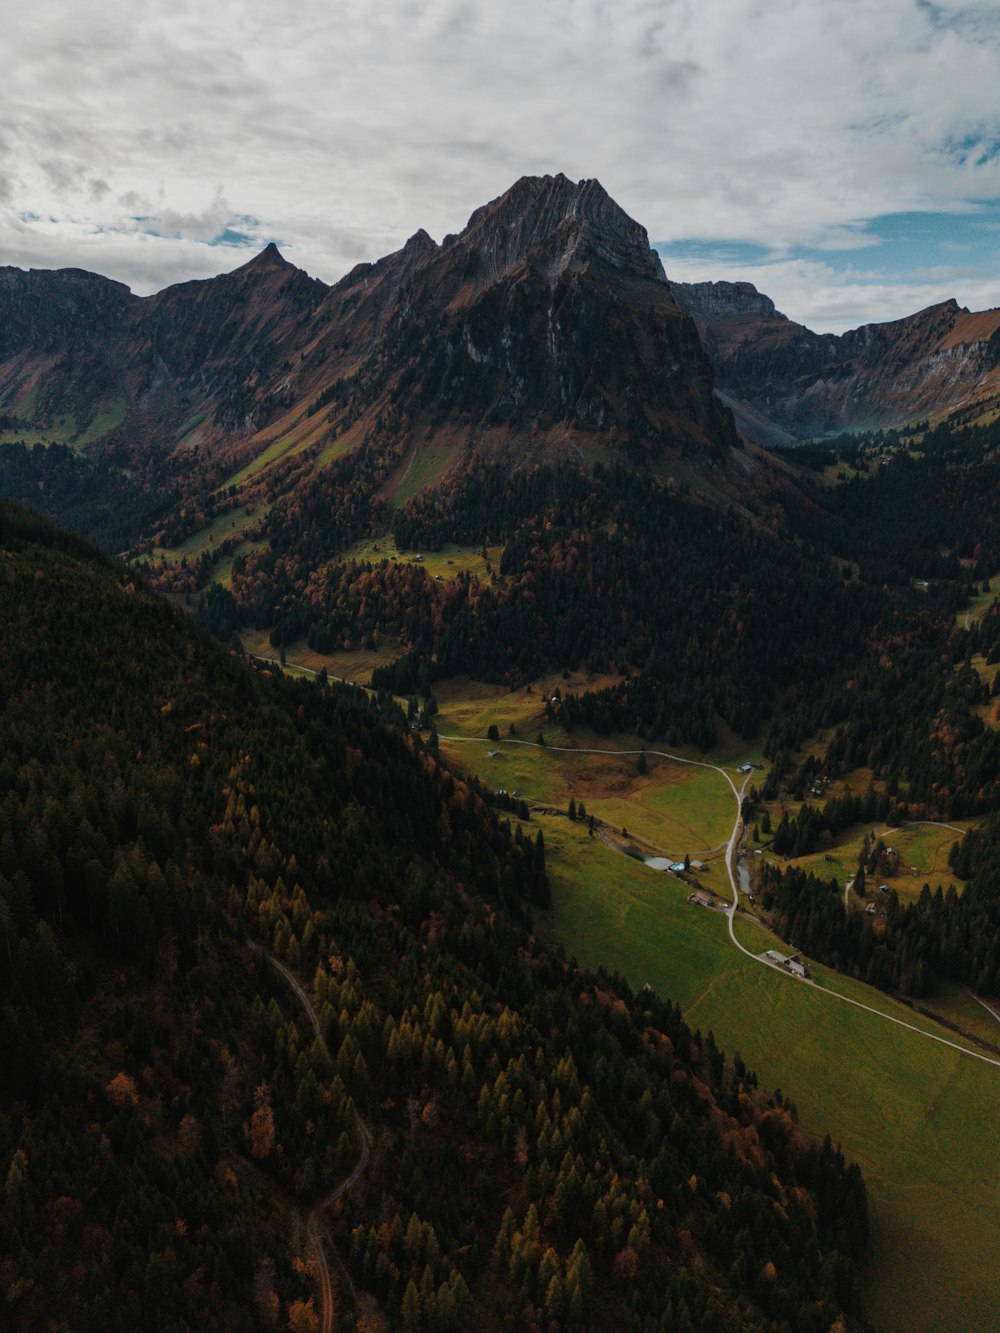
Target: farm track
point(990, 1008)
point(731, 851)
point(314, 1218)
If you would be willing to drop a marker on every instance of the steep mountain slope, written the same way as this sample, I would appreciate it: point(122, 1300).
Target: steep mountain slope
point(548, 314)
point(784, 382)
point(81, 358)
point(547, 1150)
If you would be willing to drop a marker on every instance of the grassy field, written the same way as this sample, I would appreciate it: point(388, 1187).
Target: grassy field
point(222, 572)
point(228, 524)
point(356, 666)
point(189, 425)
point(450, 561)
point(65, 430)
point(979, 603)
point(277, 449)
point(426, 464)
point(103, 423)
point(672, 809)
point(61, 431)
point(923, 857)
point(923, 1120)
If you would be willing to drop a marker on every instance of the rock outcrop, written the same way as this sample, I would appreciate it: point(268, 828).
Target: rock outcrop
point(718, 300)
point(556, 224)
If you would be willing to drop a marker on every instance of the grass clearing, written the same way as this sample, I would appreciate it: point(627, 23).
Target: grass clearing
point(233, 522)
point(470, 707)
point(276, 450)
point(979, 603)
point(223, 571)
point(103, 423)
point(335, 448)
point(923, 857)
point(191, 423)
point(449, 562)
point(673, 807)
point(356, 666)
point(427, 464)
point(987, 672)
point(61, 431)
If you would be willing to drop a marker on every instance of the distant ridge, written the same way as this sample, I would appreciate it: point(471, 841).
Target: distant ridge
point(785, 382)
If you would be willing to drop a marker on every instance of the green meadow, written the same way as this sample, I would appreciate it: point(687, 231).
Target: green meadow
point(978, 604)
point(228, 524)
point(355, 666)
point(447, 563)
point(922, 1120)
point(923, 857)
point(426, 464)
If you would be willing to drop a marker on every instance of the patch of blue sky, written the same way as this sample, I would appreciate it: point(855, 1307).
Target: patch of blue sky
point(234, 236)
point(725, 253)
point(906, 246)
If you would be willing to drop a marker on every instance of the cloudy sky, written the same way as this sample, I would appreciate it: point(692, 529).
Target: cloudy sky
point(844, 155)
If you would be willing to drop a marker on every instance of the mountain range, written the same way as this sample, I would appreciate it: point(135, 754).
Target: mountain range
point(545, 327)
point(785, 383)
point(546, 321)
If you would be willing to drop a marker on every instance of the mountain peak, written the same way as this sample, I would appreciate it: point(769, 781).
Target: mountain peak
point(269, 258)
point(558, 224)
point(419, 242)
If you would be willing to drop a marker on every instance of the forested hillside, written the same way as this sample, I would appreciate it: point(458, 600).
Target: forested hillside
point(548, 1149)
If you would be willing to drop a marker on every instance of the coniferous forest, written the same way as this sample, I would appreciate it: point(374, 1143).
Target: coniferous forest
point(179, 834)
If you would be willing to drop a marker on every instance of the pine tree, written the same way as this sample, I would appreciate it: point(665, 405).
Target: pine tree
point(411, 1308)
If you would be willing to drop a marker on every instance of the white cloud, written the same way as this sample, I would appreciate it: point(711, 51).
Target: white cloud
point(344, 128)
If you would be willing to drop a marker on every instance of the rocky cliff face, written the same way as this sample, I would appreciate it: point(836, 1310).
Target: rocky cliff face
point(547, 314)
point(222, 342)
point(559, 226)
point(44, 310)
point(785, 382)
point(720, 300)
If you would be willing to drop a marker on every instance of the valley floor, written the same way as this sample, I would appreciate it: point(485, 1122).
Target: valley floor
point(916, 1103)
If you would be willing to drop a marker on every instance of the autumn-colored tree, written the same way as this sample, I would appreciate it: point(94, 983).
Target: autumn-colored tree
point(626, 1265)
point(260, 1130)
point(302, 1317)
point(16, 1184)
point(122, 1091)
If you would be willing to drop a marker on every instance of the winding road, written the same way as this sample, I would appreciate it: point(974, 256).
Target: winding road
point(731, 854)
point(315, 1214)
